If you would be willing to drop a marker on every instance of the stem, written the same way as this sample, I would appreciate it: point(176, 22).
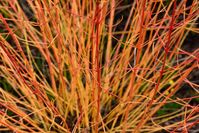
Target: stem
point(96, 64)
point(166, 48)
point(140, 42)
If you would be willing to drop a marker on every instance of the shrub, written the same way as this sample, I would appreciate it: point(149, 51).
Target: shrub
point(78, 66)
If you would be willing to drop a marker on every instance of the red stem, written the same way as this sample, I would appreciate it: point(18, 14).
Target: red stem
point(166, 49)
point(96, 70)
